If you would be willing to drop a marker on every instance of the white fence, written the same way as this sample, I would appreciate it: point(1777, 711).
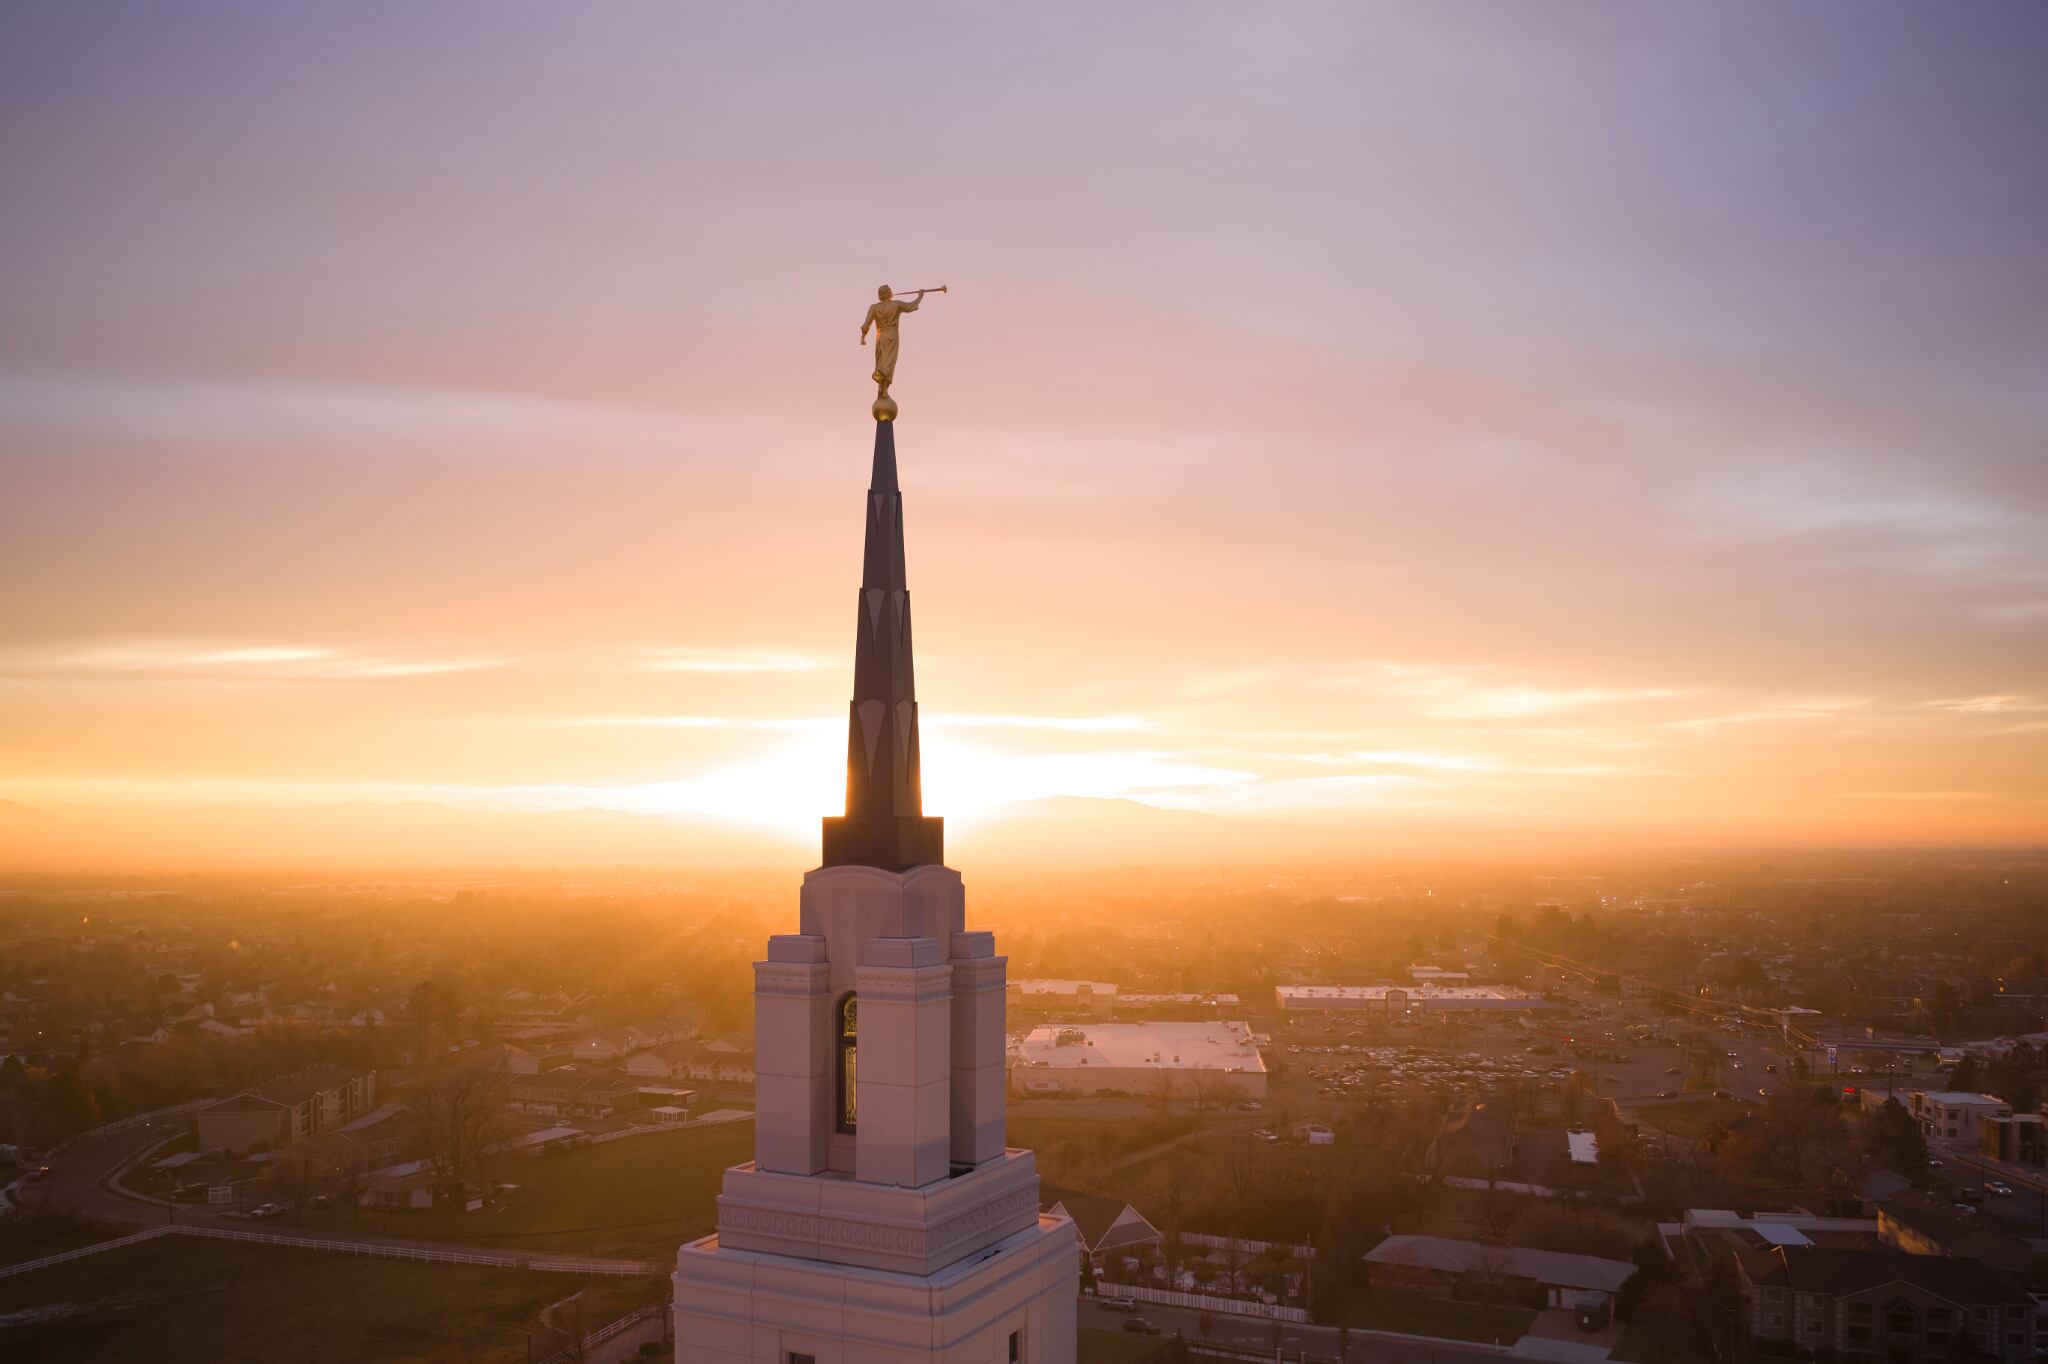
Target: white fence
point(339, 1246)
point(604, 1333)
point(1198, 1238)
point(1202, 1302)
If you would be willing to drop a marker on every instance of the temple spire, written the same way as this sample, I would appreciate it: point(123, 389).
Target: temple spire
point(885, 824)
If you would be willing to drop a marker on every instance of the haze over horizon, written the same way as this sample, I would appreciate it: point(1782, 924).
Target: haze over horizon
point(1385, 424)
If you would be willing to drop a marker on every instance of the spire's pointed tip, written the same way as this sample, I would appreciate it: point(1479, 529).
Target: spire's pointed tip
point(883, 480)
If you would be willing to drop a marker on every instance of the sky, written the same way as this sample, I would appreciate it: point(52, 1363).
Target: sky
point(1576, 417)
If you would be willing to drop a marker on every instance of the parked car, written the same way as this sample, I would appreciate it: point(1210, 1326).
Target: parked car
point(264, 1211)
point(1934, 1162)
point(1121, 1304)
point(1138, 1326)
point(2000, 1187)
point(321, 1200)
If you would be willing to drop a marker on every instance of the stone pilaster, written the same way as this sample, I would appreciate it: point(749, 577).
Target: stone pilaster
point(792, 1055)
point(904, 1133)
point(979, 982)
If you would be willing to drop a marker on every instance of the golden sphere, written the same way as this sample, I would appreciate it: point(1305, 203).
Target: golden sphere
point(885, 409)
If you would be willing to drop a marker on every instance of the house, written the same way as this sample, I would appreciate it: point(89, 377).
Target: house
point(1923, 1225)
point(1445, 1267)
point(568, 1092)
point(665, 1061)
point(1883, 1304)
point(1108, 1230)
point(608, 1044)
point(305, 1104)
point(406, 1186)
point(384, 1135)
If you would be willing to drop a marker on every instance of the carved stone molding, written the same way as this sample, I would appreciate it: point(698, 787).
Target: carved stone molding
point(791, 978)
point(978, 974)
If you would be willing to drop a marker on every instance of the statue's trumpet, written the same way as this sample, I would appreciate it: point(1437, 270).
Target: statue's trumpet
point(940, 290)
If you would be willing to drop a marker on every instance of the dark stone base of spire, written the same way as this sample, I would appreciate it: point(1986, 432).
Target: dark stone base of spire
point(891, 842)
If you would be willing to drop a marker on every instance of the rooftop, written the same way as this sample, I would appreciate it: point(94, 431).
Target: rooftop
point(1837, 1273)
point(1543, 1266)
point(1170, 1046)
point(1048, 986)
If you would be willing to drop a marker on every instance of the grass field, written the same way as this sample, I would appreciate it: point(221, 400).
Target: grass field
point(32, 1238)
point(181, 1300)
point(638, 1198)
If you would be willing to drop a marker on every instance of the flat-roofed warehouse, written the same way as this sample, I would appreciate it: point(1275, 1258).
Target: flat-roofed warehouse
point(1401, 999)
point(1206, 1060)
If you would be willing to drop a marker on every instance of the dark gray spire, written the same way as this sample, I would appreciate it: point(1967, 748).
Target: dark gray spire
point(884, 825)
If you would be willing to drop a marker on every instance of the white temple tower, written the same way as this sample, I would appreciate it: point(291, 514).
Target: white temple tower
point(882, 1219)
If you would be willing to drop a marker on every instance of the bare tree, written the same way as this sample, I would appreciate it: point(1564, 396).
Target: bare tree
point(350, 1163)
point(462, 1112)
point(298, 1172)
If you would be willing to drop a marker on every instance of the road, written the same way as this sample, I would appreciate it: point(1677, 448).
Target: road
point(2024, 1212)
point(1319, 1341)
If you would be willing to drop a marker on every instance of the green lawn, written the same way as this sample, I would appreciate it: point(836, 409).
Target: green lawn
point(182, 1300)
point(40, 1233)
point(638, 1198)
point(1383, 1311)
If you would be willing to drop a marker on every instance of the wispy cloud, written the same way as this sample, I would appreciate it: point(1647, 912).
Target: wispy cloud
point(224, 410)
point(728, 661)
point(1440, 762)
point(1074, 724)
point(253, 662)
point(1913, 795)
point(2004, 703)
point(740, 722)
point(1776, 712)
point(1441, 693)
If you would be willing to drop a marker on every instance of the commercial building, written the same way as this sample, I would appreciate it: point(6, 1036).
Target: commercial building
point(1199, 1061)
point(2018, 1139)
point(1401, 1000)
point(1096, 998)
point(1952, 1115)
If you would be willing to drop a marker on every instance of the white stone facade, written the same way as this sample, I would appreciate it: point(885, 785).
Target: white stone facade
point(882, 1218)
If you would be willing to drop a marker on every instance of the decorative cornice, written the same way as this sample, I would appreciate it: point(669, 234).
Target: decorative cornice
point(903, 984)
point(975, 974)
point(804, 979)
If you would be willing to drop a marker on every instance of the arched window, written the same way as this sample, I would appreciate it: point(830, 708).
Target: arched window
point(846, 1030)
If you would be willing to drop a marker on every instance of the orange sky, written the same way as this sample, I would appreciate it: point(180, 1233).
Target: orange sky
point(1619, 423)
